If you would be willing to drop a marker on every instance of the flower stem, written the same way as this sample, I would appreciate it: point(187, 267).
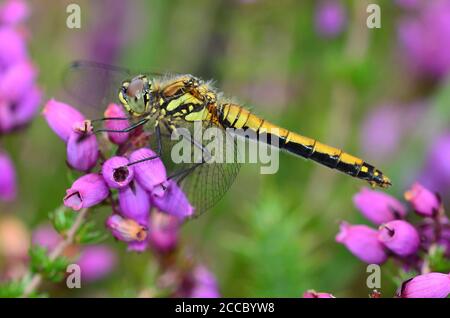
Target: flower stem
point(36, 279)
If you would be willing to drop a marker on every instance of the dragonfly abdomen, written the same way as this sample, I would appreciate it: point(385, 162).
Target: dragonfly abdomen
point(235, 116)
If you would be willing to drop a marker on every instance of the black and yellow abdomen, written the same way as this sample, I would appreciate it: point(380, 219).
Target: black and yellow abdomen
point(235, 116)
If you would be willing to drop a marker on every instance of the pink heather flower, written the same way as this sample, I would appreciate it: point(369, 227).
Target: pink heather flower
point(8, 184)
point(46, 236)
point(378, 207)
point(15, 51)
point(17, 80)
point(200, 283)
point(82, 151)
point(313, 294)
point(86, 191)
point(431, 285)
point(424, 39)
point(163, 231)
point(13, 12)
point(362, 241)
point(431, 235)
point(408, 4)
point(96, 262)
point(27, 107)
point(424, 202)
point(330, 18)
point(134, 203)
point(116, 172)
point(116, 111)
point(436, 173)
point(62, 118)
point(400, 237)
point(173, 201)
point(149, 173)
point(126, 230)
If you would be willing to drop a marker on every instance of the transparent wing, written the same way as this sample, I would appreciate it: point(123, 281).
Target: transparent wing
point(204, 183)
point(91, 86)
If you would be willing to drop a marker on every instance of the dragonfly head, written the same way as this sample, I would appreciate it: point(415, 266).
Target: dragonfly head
point(135, 95)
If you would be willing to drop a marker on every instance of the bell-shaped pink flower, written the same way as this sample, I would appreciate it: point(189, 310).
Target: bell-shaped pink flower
point(27, 107)
point(150, 173)
point(17, 80)
point(62, 118)
point(15, 51)
point(431, 285)
point(116, 172)
point(173, 201)
point(46, 236)
point(198, 283)
point(313, 294)
point(126, 230)
point(378, 207)
point(116, 111)
point(96, 262)
point(86, 191)
point(13, 12)
point(134, 203)
point(400, 237)
point(8, 184)
point(424, 202)
point(362, 241)
point(163, 231)
point(82, 151)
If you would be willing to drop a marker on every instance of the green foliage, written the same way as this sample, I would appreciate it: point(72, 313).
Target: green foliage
point(62, 219)
point(437, 260)
point(11, 289)
point(40, 262)
point(88, 233)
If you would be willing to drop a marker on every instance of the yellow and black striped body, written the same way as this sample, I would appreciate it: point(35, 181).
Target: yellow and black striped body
point(235, 116)
point(188, 98)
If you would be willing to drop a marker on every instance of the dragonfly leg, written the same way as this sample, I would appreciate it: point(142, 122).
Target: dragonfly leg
point(128, 129)
point(109, 118)
point(172, 128)
point(159, 150)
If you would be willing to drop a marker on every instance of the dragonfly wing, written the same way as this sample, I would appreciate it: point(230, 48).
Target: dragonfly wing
point(91, 86)
point(204, 183)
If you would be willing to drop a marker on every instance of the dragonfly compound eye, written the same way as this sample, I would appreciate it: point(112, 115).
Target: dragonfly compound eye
point(134, 95)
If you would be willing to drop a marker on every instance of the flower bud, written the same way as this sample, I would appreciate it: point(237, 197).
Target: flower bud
point(62, 118)
point(424, 202)
point(27, 107)
point(173, 201)
point(82, 151)
point(362, 241)
point(17, 80)
point(116, 111)
point(13, 12)
point(400, 237)
point(148, 173)
point(96, 262)
point(164, 230)
point(431, 285)
point(134, 203)
point(116, 172)
point(126, 230)
point(86, 191)
point(378, 207)
point(46, 236)
point(8, 187)
point(313, 294)
point(15, 51)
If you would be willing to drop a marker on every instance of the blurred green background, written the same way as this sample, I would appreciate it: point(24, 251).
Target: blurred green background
point(271, 235)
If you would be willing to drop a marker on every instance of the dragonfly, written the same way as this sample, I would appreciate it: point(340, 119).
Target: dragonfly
point(165, 103)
